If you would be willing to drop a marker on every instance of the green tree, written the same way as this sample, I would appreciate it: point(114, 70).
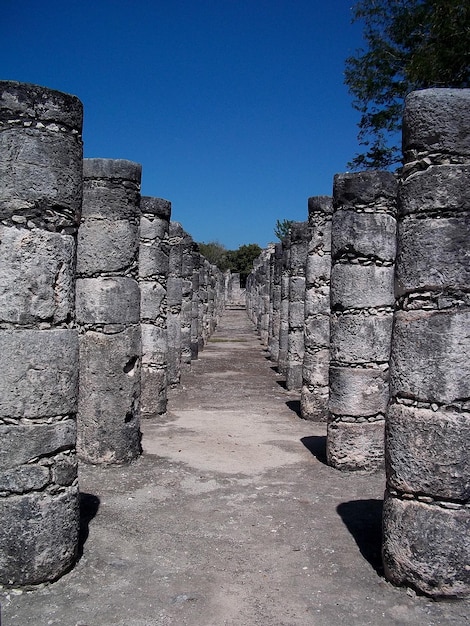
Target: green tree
point(215, 253)
point(282, 229)
point(241, 260)
point(411, 44)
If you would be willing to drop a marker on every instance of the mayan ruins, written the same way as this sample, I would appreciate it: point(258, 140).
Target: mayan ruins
point(348, 349)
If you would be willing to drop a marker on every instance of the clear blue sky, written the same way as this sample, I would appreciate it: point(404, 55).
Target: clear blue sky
point(236, 109)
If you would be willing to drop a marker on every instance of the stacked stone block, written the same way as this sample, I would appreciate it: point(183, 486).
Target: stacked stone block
point(427, 509)
point(187, 270)
point(284, 306)
point(196, 301)
point(108, 312)
point(203, 301)
point(275, 308)
point(363, 248)
point(300, 235)
point(315, 370)
point(153, 276)
point(175, 299)
point(258, 293)
point(40, 198)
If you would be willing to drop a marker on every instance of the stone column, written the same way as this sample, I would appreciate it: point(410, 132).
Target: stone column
point(265, 291)
point(426, 525)
point(273, 344)
point(202, 313)
point(284, 307)
point(315, 370)
point(187, 267)
point(175, 299)
point(196, 299)
point(108, 311)
point(363, 247)
point(153, 276)
point(295, 340)
point(40, 199)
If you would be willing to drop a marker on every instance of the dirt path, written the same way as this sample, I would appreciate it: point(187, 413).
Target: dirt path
point(231, 516)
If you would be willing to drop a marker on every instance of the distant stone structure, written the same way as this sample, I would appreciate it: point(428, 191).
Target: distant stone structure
point(40, 201)
point(234, 294)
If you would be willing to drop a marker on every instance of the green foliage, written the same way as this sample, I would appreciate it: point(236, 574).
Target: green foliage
point(411, 44)
point(240, 261)
point(282, 229)
point(215, 253)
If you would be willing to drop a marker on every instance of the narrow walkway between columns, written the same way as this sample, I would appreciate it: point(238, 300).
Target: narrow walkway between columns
point(231, 516)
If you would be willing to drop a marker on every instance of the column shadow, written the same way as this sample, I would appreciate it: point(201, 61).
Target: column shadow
point(363, 519)
point(316, 445)
point(89, 505)
point(294, 405)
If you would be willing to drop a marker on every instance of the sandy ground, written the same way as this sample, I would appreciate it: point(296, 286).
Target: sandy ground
point(231, 516)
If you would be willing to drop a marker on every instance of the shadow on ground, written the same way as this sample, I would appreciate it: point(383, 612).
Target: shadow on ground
point(89, 505)
point(317, 446)
point(363, 519)
point(294, 405)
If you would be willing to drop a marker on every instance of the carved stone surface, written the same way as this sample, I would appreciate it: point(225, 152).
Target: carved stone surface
point(108, 310)
point(426, 518)
point(426, 546)
point(363, 248)
point(40, 200)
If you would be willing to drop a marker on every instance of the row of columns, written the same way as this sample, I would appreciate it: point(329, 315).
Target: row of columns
point(370, 300)
point(102, 301)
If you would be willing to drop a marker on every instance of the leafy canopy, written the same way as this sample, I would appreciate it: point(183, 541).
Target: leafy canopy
point(411, 44)
point(240, 261)
point(282, 229)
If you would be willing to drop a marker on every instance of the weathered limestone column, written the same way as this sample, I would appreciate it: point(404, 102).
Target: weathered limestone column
point(212, 300)
point(187, 267)
point(202, 312)
point(426, 525)
point(315, 370)
point(274, 322)
point(295, 340)
point(363, 248)
point(175, 299)
point(284, 307)
point(265, 293)
point(40, 199)
point(195, 303)
point(108, 311)
point(153, 275)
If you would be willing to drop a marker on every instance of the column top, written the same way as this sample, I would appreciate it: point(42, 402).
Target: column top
point(436, 120)
point(112, 168)
point(32, 102)
point(156, 206)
